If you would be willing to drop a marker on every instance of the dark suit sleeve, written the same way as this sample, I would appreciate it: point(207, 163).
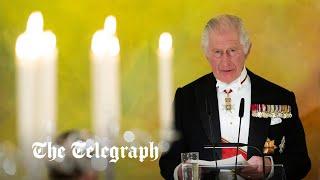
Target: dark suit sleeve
point(170, 159)
point(295, 155)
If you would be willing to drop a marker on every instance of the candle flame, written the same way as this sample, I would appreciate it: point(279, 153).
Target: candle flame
point(35, 23)
point(165, 42)
point(110, 25)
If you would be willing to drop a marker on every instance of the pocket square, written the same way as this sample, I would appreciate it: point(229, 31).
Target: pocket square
point(275, 121)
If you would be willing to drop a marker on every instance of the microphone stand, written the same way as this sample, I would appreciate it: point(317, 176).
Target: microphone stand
point(241, 112)
point(236, 165)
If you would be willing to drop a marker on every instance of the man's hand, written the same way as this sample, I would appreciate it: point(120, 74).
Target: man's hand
point(255, 168)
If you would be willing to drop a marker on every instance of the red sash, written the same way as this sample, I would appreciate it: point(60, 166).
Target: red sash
point(231, 151)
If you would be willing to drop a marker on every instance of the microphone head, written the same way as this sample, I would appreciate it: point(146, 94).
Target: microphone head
point(241, 109)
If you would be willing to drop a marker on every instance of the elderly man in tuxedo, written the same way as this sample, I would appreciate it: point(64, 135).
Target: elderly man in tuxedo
point(206, 110)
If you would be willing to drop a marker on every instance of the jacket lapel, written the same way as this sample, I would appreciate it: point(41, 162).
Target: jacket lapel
point(259, 127)
point(207, 102)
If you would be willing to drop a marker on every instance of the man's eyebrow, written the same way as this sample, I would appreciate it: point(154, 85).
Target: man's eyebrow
point(231, 47)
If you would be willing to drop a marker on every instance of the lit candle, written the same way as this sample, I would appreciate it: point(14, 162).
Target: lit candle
point(36, 84)
point(165, 53)
point(105, 50)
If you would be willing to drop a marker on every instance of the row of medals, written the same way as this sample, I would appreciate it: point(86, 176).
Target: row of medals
point(271, 111)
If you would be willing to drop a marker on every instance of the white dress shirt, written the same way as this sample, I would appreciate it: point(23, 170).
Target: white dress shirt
point(229, 120)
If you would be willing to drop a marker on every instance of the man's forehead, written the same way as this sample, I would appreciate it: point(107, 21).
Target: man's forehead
point(224, 33)
point(230, 37)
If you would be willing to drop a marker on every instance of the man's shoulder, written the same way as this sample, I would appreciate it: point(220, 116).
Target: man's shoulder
point(266, 85)
point(200, 82)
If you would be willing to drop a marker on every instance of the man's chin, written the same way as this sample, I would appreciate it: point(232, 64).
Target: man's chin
point(227, 77)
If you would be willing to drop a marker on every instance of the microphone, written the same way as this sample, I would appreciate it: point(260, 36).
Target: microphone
point(241, 112)
point(241, 109)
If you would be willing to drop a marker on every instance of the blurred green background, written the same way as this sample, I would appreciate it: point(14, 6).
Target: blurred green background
point(285, 36)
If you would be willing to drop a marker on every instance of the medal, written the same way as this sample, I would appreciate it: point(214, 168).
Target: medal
point(227, 100)
point(271, 111)
point(269, 146)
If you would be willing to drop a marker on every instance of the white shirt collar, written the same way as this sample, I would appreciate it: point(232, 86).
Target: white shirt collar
point(234, 84)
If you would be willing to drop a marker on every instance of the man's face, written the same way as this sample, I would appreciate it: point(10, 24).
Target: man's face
point(226, 55)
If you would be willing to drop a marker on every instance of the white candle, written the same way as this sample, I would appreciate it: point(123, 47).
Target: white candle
point(105, 50)
point(36, 85)
point(165, 53)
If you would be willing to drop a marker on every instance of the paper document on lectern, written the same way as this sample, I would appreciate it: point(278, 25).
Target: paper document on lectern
point(229, 162)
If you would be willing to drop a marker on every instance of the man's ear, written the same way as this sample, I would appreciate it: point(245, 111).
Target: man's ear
point(248, 51)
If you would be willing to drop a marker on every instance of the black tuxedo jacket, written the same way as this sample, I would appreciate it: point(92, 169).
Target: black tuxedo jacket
point(197, 101)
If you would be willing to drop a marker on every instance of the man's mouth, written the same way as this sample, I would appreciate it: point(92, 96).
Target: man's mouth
point(227, 70)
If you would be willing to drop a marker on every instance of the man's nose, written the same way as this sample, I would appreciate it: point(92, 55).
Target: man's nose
point(226, 56)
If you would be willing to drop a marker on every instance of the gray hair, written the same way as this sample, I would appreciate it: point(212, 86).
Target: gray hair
point(225, 21)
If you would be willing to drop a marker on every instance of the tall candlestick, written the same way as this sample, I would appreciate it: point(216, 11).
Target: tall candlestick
point(105, 50)
point(36, 86)
point(165, 85)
